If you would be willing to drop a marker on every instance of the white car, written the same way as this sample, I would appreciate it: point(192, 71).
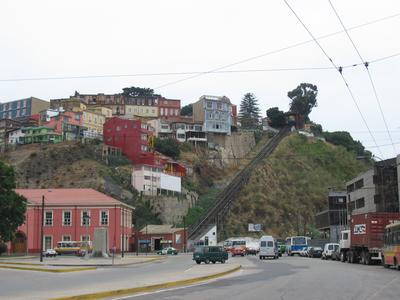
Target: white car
point(50, 253)
point(329, 249)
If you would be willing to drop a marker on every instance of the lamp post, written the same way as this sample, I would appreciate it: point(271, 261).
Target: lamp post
point(87, 222)
point(184, 233)
point(41, 231)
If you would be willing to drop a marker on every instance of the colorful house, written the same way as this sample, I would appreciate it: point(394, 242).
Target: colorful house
point(39, 134)
point(158, 237)
point(131, 136)
point(72, 215)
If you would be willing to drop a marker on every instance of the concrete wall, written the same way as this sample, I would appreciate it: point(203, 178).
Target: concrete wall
point(171, 209)
point(230, 149)
point(367, 192)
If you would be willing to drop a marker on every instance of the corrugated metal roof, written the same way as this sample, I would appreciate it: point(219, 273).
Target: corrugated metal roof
point(80, 197)
point(159, 229)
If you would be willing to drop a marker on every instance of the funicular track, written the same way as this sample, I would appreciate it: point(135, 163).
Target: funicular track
point(216, 213)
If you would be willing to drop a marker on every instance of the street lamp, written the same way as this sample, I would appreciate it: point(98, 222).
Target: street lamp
point(87, 222)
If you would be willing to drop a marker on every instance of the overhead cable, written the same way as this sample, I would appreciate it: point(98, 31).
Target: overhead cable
point(340, 72)
point(366, 64)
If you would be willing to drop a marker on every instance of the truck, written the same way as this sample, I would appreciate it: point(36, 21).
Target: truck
point(364, 241)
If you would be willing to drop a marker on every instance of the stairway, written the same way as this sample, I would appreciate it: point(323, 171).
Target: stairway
point(225, 199)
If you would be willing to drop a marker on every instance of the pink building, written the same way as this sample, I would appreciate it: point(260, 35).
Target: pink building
point(72, 215)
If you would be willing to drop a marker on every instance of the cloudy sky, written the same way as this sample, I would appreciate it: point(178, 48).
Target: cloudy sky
point(78, 38)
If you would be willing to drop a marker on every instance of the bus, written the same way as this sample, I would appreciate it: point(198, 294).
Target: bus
point(295, 244)
point(73, 247)
point(391, 247)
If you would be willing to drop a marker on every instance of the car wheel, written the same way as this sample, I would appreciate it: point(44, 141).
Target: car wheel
point(213, 261)
point(207, 261)
point(242, 255)
point(198, 262)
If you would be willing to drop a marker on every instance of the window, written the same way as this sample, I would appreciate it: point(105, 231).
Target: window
point(147, 177)
point(270, 243)
point(144, 126)
point(143, 137)
point(85, 238)
point(143, 148)
point(67, 218)
point(85, 218)
point(118, 128)
point(104, 217)
point(263, 244)
point(359, 184)
point(66, 238)
point(77, 117)
point(360, 203)
point(48, 219)
point(209, 104)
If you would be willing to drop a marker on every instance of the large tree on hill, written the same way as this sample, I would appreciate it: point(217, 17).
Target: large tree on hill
point(276, 117)
point(187, 110)
point(249, 113)
point(12, 205)
point(138, 92)
point(304, 98)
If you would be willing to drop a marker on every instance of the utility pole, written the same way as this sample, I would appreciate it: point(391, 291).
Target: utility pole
point(184, 234)
point(147, 245)
point(123, 233)
point(41, 231)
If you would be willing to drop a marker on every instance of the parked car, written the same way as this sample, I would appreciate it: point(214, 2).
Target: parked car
point(336, 254)
point(329, 249)
point(281, 248)
point(315, 252)
point(50, 253)
point(209, 254)
point(168, 250)
point(304, 251)
point(238, 251)
point(268, 247)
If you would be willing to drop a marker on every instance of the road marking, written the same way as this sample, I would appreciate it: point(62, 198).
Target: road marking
point(188, 269)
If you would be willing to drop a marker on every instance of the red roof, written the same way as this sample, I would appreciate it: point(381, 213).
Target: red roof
point(59, 197)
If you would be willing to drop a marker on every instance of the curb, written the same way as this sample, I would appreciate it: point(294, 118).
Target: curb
point(48, 270)
point(82, 265)
point(148, 288)
point(16, 257)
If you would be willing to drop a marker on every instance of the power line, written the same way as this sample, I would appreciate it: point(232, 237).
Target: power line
point(340, 71)
point(369, 74)
point(278, 50)
point(197, 72)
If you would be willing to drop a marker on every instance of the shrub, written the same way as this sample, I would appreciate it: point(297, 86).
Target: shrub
point(3, 248)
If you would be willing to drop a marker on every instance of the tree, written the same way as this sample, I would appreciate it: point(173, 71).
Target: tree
point(316, 129)
point(343, 138)
point(12, 205)
point(168, 147)
point(187, 110)
point(249, 113)
point(276, 117)
point(138, 92)
point(304, 98)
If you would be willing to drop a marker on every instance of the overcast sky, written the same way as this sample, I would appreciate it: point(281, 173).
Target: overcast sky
point(78, 38)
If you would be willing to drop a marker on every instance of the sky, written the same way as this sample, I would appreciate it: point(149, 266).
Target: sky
point(42, 39)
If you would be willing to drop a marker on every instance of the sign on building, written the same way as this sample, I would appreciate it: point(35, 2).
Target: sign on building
point(254, 227)
point(170, 183)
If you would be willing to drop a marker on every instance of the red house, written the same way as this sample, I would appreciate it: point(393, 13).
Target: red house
point(158, 237)
point(72, 215)
point(169, 108)
point(131, 136)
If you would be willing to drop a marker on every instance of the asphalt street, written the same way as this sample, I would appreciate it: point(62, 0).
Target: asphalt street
point(293, 278)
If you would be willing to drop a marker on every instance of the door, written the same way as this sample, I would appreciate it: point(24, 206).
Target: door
point(48, 242)
point(19, 244)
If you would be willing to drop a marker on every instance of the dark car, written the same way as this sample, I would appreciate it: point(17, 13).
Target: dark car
point(315, 252)
point(209, 254)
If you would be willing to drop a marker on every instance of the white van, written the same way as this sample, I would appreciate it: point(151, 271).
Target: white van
point(329, 249)
point(268, 247)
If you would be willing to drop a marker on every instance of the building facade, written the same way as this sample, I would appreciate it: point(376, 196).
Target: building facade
point(169, 108)
point(215, 113)
point(72, 215)
point(40, 134)
point(333, 219)
point(376, 190)
point(158, 237)
point(22, 108)
point(131, 136)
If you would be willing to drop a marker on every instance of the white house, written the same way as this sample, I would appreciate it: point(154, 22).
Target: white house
point(13, 136)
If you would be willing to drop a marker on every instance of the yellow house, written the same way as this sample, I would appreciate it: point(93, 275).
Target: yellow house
point(105, 111)
point(93, 121)
point(141, 111)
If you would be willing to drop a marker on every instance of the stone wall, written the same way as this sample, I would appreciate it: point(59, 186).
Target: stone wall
point(171, 208)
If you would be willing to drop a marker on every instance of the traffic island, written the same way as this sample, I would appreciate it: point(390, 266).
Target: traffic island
point(155, 287)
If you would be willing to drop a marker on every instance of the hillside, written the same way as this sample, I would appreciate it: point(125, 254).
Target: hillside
point(290, 187)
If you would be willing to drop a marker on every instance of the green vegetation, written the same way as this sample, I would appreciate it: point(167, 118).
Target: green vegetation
point(138, 92)
point(286, 191)
point(344, 139)
point(12, 205)
point(249, 113)
point(168, 147)
point(187, 110)
point(276, 117)
point(304, 98)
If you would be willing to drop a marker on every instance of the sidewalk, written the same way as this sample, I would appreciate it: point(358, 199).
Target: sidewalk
point(74, 261)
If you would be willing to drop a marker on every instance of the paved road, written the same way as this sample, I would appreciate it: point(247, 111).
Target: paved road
point(294, 278)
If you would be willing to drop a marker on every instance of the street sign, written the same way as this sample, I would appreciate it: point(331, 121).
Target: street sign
point(254, 227)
